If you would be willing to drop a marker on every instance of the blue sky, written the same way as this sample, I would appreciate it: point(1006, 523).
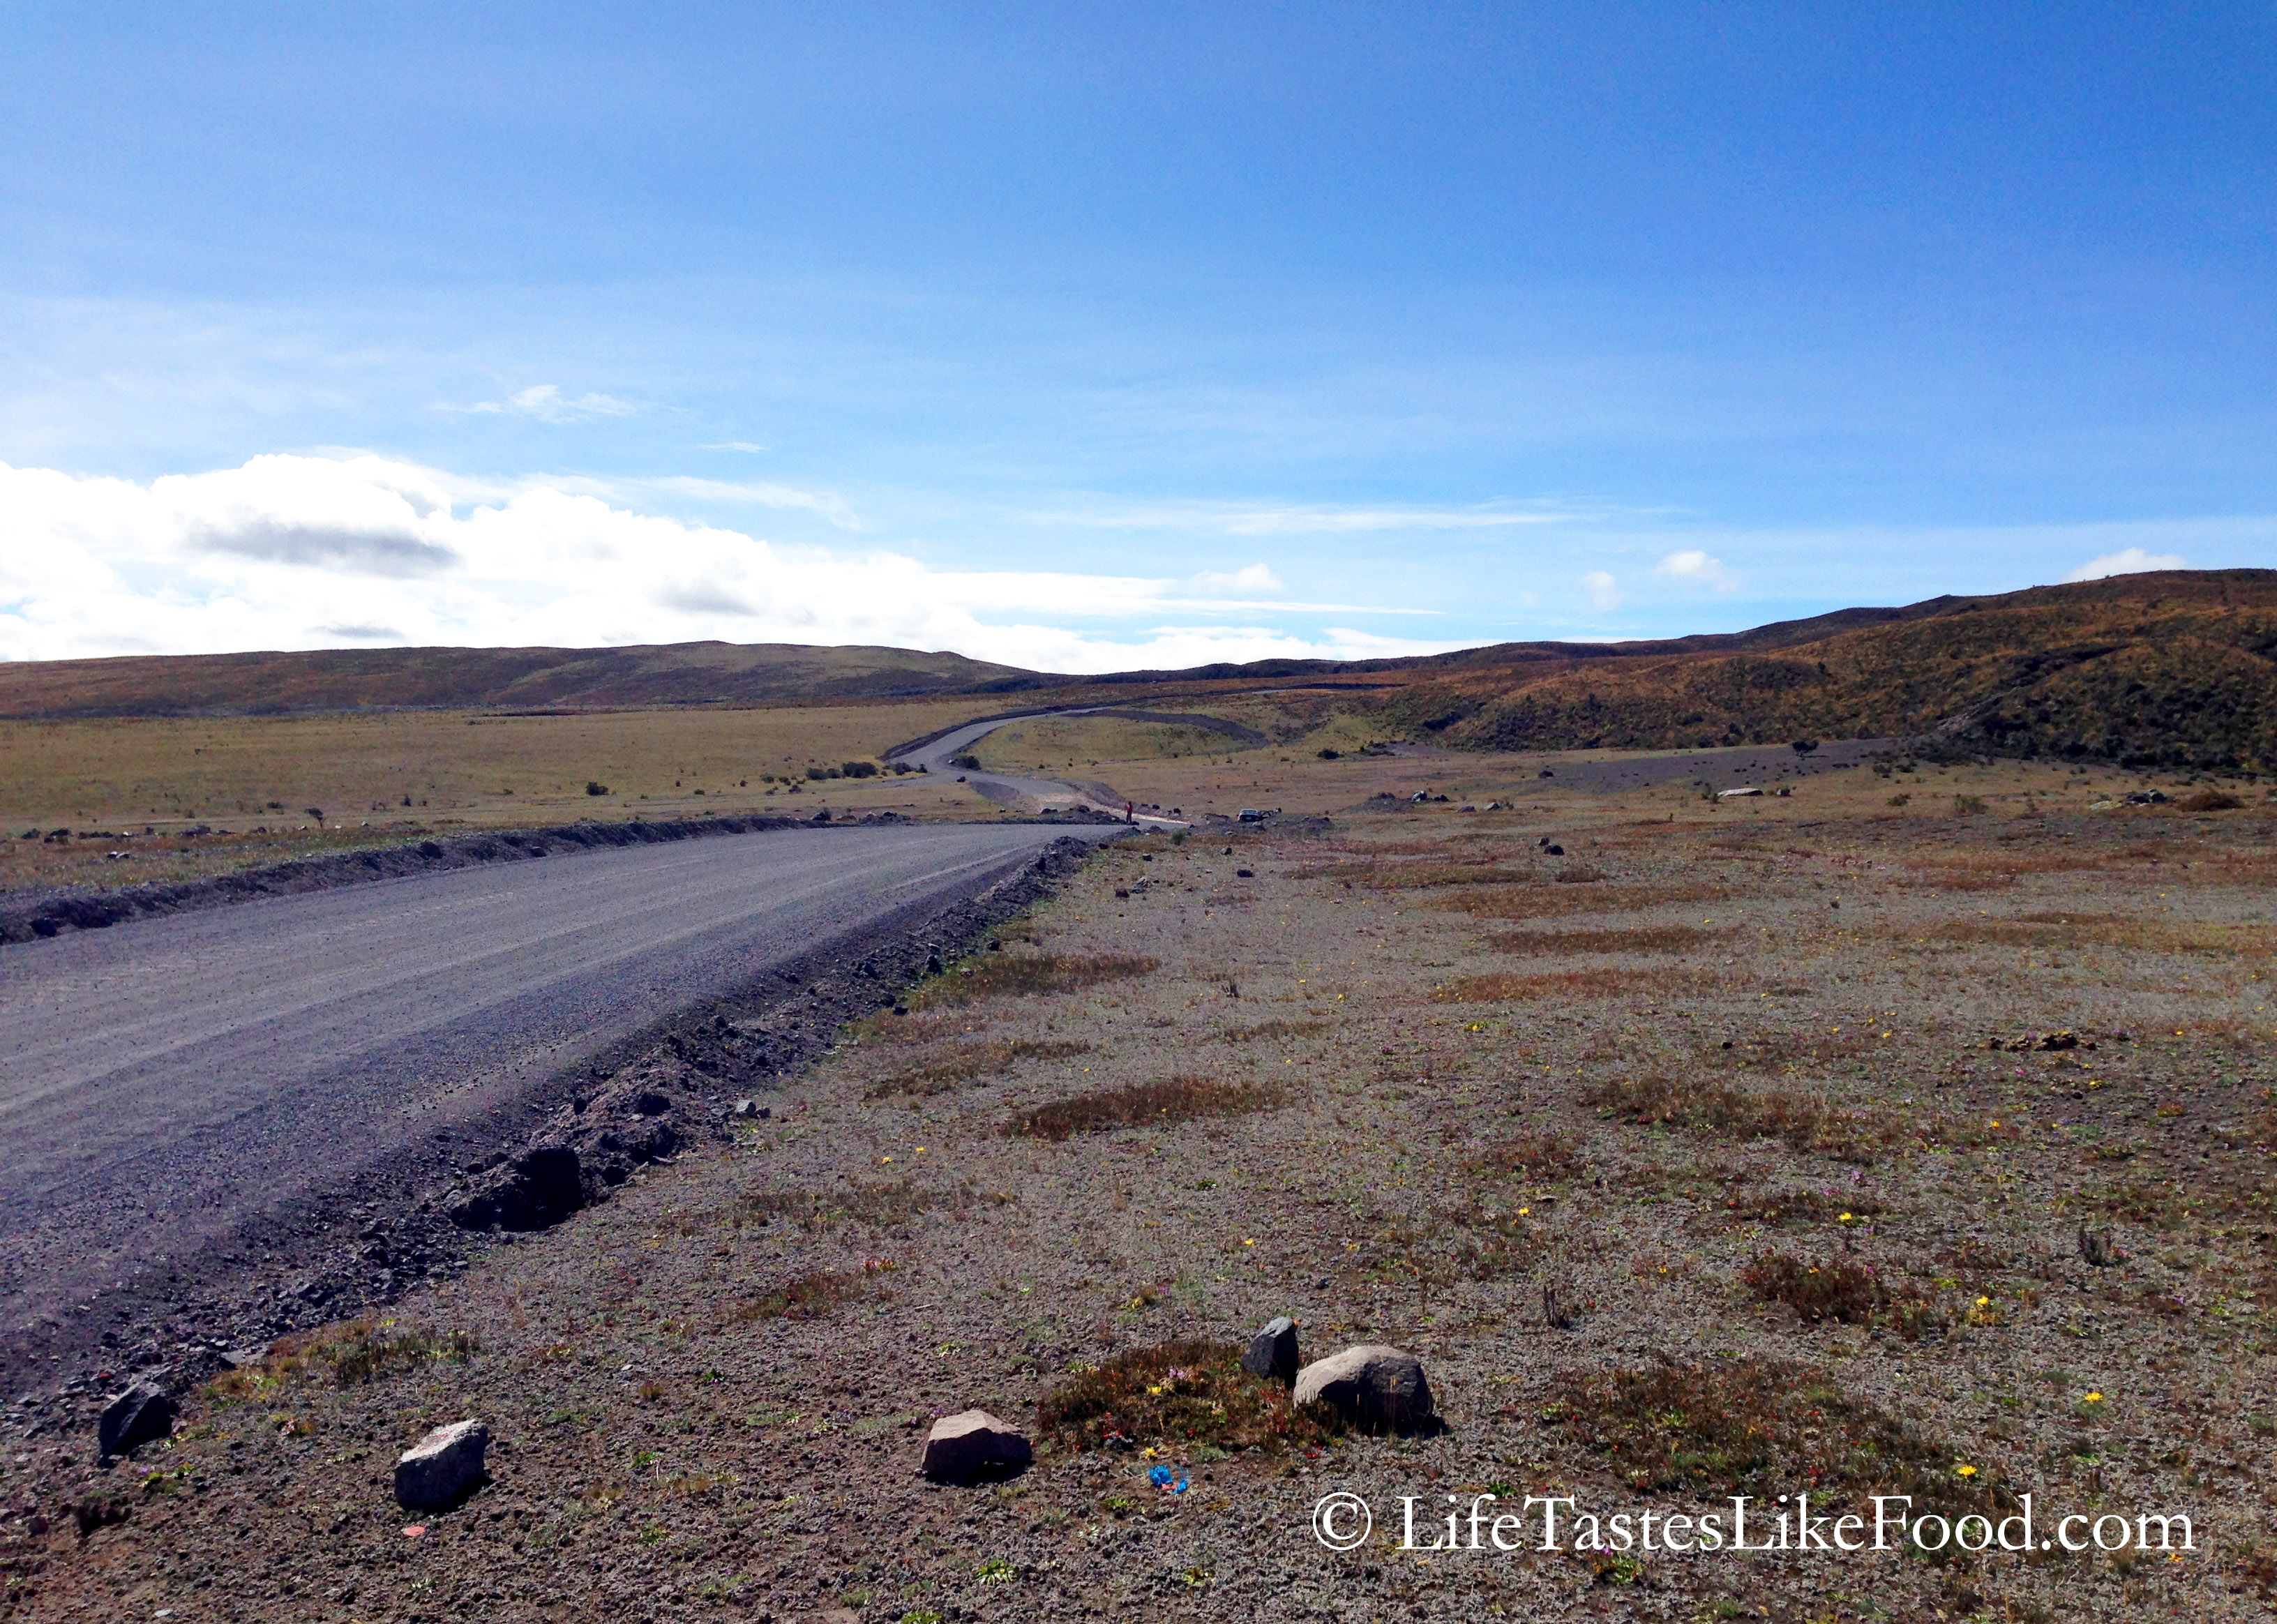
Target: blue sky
point(1086, 336)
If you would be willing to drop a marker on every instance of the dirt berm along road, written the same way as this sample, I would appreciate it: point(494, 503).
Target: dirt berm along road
point(169, 1085)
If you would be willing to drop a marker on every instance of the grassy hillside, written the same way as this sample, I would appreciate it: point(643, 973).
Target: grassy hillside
point(2174, 669)
point(466, 679)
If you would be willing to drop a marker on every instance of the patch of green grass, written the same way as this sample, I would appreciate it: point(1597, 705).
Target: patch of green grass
point(362, 1350)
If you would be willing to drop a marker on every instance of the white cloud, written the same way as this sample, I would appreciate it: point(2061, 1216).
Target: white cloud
point(1697, 568)
point(1604, 591)
point(2126, 561)
point(547, 404)
point(297, 552)
point(1232, 519)
point(1250, 578)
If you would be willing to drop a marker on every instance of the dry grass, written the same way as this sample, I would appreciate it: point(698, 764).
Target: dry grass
point(972, 1062)
point(1793, 1206)
point(1839, 1290)
point(485, 768)
point(1506, 987)
point(887, 1204)
point(2048, 931)
point(1006, 975)
point(1181, 1396)
point(1632, 939)
point(1533, 1158)
point(1143, 1105)
point(1805, 1122)
point(1762, 1428)
point(806, 1296)
point(1273, 1031)
point(1473, 1242)
point(361, 1350)
point(1544, 902)
point(1418, 876)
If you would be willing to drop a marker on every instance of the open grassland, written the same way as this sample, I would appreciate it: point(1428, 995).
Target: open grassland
point(1807, 1146)
point(375, 777)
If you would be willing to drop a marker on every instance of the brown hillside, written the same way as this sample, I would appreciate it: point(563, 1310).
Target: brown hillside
point(271, 684)
point(2168, 669)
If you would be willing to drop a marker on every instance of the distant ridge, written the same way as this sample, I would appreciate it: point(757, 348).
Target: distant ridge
point(2175, 668)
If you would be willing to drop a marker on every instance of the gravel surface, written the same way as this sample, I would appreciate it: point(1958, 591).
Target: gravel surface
point(1546, 1122)
point(183, 1098)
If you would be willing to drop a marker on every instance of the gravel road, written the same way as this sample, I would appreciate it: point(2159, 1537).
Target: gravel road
point(163, 1081)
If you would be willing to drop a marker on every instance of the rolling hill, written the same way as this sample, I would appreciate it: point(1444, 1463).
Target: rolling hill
point(2171, 669)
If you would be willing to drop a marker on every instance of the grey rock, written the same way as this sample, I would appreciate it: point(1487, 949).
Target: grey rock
point(135, 1417)
point(1273, 1351)
point(1372, 1386)
point(443, 1466)
point(973, 1445)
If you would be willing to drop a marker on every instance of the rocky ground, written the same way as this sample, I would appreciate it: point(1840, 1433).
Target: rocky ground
point(1714, 1156)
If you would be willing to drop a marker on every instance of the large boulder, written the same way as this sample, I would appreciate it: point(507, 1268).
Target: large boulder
point(443, 1467)
point(1371, 1385)
point(135, 1417)
point(973, 1444)
point(1273, 1351)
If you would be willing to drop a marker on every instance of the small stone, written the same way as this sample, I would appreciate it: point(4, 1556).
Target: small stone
point(747, 1108)
point(1372, 1384)
point(442, 1467)
point(963, 1447)
point(135, 1417)
point(1273, 1351)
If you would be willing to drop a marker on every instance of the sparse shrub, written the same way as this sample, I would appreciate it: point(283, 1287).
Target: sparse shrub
point(973, 1060)
point(1185, 1394)
point(1143, 1105)
point(965, 761)
point(594, 786)
point(859, 769)
point(359, 1351)
point(1504, 987)
point(1000, 975)
point(1762, 1428)
point(1633, 939)
point(1900, 799)
point(2210, 800)
point(1833, 1290)
point(805, 1296)
point(1967, 805)
point(1272, 1029)
point(887, 1204)
point(1805, 1123)
point(1538, 1158)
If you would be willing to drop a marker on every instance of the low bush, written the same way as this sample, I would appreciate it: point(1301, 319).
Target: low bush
point(969, 1063)
point(1762, 1428)
point(1143, 1105)
point(1804, 1121)
point(362, 1350)
point(1181, 1395)
point(1002, 975)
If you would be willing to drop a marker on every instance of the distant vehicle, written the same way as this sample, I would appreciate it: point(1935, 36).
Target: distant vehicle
point(1250, 814)
point(1726, 794)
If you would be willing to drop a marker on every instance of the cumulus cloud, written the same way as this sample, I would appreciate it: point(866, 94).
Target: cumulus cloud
point(1604, 591)
point(1696, 568)
point(292, 551)
point(547, 404)
point(2126, 561)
